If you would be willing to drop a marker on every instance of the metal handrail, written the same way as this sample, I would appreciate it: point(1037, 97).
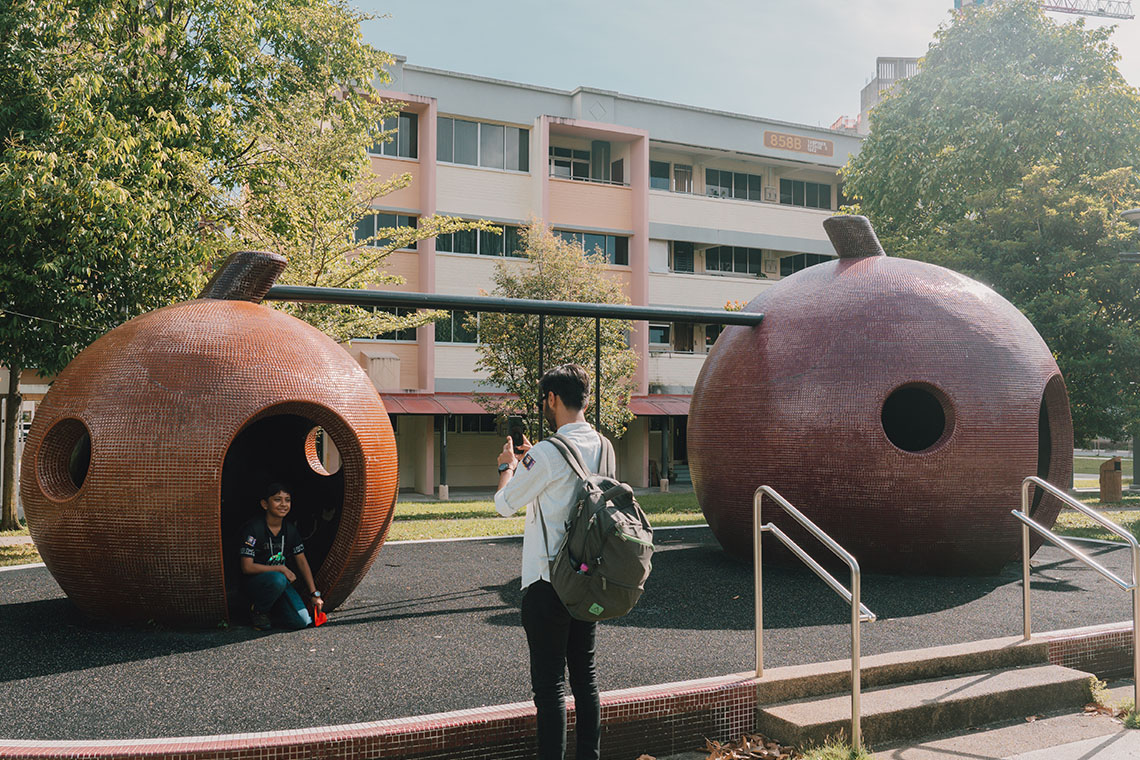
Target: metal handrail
point(1028, 523)
point(859, 613)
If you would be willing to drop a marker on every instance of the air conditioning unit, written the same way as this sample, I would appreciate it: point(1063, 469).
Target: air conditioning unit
point(770, 194)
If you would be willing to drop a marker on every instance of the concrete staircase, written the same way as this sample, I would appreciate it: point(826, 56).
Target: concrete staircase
point(918, 693)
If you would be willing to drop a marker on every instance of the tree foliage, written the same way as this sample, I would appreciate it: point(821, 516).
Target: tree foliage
point(1002, 89)
point(308, 187)
point(125, 126)
point(555, 270)
point(1008, 157)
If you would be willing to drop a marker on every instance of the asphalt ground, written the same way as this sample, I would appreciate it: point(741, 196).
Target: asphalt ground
point(435, 627)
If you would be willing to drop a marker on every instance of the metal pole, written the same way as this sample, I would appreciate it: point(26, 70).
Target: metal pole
point(1135, 623)
point(598, 373)
point(856, 676)
point(1025, 627)
point(541, 369)
point(1025, 632)
point(443, 451)
point(758, 599)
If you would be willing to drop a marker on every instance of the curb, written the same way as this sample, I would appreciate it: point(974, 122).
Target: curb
point(663, 719)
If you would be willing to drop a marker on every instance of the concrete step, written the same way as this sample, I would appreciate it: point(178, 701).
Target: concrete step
point(904, 711)
point(791, 682)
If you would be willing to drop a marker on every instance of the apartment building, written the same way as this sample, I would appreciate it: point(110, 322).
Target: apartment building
point(693, 207)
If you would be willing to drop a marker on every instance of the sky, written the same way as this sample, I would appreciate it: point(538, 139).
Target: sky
point(802, 61)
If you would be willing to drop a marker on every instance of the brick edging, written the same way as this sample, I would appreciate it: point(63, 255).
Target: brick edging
point(660, 719)
point(1105, 650)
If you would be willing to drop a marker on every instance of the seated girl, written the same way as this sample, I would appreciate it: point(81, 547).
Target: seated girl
point(268, 542)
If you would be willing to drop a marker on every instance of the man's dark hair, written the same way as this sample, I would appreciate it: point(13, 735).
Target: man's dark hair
point(569, 382)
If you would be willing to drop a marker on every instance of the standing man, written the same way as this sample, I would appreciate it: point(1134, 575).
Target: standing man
point(556, 640)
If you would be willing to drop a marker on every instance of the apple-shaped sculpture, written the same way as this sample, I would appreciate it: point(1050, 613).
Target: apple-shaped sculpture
point(151, 448)
point(898, 404)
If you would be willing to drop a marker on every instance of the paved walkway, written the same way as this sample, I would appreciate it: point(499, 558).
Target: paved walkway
point(434, 627)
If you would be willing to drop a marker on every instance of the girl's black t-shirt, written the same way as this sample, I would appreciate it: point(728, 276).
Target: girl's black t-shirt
point(265, 548)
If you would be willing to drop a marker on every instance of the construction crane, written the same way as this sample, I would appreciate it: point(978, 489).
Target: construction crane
point(1121, 9)
point(1102, 8)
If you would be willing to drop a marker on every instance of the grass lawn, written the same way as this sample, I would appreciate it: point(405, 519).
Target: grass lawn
point(20, 554)
point(470, 519)
point(457, 519)
point(1072, 523)
point(467, 519)
point(1091, 465)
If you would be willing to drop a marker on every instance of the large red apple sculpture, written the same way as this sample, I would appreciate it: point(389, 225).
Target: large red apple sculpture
point(150, 450)
point(898, 404)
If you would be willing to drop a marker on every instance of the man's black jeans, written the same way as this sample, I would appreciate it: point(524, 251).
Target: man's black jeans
point(557, 642)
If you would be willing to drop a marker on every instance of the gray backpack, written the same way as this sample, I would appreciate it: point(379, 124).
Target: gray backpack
point(600, 569)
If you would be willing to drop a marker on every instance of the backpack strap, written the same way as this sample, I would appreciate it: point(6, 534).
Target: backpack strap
point(569, 451)
point(607, 464)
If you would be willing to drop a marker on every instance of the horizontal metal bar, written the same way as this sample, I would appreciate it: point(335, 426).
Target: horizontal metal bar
point(1072, 550)
point(1082, 508)
point(359, 297)
point(865, 614)
point(812, 528)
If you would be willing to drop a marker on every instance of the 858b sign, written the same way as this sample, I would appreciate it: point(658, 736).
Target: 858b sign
point(799, 144)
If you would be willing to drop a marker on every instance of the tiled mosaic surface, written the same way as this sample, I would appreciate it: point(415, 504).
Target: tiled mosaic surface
point(1105, 651)
point(162, 398)
point(797, 404)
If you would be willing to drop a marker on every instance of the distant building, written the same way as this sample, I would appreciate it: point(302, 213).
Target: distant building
point(887, 72)
point(693, 206)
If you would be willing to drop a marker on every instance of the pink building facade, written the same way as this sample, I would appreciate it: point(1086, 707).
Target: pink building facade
point(693, 207)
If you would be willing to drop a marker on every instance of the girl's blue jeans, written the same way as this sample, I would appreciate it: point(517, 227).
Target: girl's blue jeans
point(272, 593)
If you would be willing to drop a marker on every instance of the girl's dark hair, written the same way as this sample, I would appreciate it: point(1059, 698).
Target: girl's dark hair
point(274, 488)
point(569, 382)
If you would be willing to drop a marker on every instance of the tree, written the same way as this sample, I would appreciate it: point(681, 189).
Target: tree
point(124, 127)
point(1007, 157)
point(308, 191)
point(554, 270)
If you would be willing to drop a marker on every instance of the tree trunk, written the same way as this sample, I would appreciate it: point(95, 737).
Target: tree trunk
point(12, 404)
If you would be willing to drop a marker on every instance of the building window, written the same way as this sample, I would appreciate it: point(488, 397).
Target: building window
point(682, 178)
point(407, 335)
point(476, 423)
point(569, 163)
point(794, 192)
point(615, 247)
point(725, 184)
point(735, 259)
point(453, 329)
point(683, 338)
point(467, 423)
point(659, 175)
point(659, 336)
point(792, 264)
point(474, 143)
point(682, 257)
point(712, 332)
point(509, 242)
point(404, 142)
point(374, 224)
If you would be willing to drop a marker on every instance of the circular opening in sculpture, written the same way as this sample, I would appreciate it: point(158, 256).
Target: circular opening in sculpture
point(321, 452)
point(281, 445)
point(916, 417)
point(64, 459)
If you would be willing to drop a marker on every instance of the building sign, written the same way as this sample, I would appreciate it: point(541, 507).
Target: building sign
point(799, 144)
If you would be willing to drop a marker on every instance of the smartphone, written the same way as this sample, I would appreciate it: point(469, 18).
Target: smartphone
point(517, 429)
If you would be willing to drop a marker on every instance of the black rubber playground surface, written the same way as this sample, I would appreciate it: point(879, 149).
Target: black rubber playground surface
point(434, 627)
